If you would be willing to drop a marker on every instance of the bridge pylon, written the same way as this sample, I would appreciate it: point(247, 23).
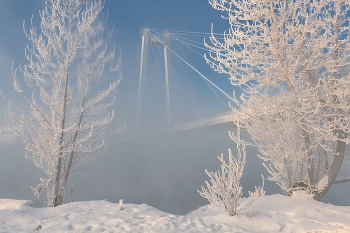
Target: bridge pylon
point(162, 40)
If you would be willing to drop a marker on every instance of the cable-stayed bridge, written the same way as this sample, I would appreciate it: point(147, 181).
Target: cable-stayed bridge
point(219, 120)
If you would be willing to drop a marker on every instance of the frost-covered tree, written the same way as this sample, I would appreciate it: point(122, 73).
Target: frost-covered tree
point(292, 60)
point(68, 94)
point(224, 189)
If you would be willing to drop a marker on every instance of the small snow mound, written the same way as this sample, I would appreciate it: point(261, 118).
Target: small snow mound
point(301, 194)
point(14, 204)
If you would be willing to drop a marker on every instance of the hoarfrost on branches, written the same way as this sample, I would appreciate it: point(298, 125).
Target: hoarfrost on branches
point(292, 62)
point(67, 70)
point(224, 189)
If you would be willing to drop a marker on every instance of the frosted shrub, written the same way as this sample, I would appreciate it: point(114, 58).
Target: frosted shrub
point(224, 188)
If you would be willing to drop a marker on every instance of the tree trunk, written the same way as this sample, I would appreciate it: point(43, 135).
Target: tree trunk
point(334, 169)
point(71, 154)
point(56, 193)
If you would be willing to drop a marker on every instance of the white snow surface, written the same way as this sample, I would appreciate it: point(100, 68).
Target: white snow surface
point(273, 213)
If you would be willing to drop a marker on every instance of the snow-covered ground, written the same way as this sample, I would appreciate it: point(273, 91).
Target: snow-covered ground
point(273, 213)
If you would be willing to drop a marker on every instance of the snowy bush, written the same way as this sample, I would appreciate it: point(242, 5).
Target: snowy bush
point(224, 189)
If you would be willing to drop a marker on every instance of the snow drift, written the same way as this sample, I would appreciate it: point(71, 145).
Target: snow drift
point(273, 213)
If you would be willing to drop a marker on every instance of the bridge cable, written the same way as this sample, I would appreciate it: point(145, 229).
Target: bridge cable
point(225, 104)
point(185, 32)
point(172, 37)
point(175, 34)
point(198, 72)
point(197, 110)
point(180, 64)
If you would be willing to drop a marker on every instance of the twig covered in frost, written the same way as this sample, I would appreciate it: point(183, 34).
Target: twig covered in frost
point(224, 188)
point(120, 205)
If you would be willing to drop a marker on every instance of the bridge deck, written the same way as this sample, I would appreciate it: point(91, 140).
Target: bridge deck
point(213, 122)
